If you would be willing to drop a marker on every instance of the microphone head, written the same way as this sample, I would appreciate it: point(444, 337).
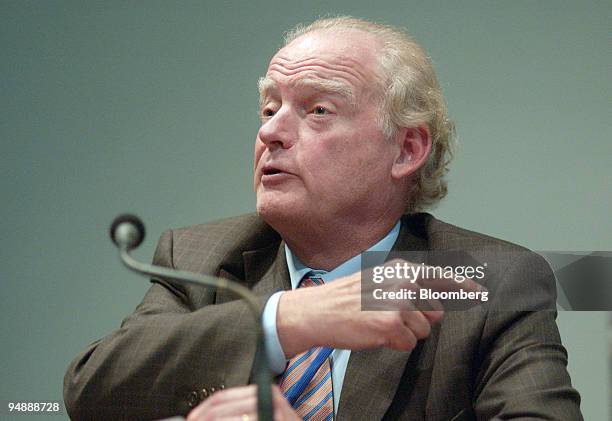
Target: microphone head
point(127, 231)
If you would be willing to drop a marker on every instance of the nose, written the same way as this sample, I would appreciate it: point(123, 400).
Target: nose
point(279, 130)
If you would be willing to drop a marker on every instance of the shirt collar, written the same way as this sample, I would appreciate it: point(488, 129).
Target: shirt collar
point(297, 269)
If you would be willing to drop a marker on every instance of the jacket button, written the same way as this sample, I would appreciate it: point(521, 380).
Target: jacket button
point(193, 399)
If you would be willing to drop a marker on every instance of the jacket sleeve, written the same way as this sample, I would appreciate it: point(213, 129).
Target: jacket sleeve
point(176, 348)
point(523, 364)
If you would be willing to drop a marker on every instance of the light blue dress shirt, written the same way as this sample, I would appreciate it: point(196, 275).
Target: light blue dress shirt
point(297, 270)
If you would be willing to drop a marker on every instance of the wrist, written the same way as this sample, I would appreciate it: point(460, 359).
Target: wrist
point(292, 325)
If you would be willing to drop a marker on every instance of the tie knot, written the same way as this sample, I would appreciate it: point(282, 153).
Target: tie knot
point(311, 280)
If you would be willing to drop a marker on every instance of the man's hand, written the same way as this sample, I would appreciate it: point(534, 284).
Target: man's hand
point(240, 404)
point(330, 315)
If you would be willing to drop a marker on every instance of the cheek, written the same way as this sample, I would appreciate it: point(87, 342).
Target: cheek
point(332, 166)
point(362, 162)
point(258, 151)
point(355, 153)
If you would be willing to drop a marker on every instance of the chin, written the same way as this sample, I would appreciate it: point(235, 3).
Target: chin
point(277, 213)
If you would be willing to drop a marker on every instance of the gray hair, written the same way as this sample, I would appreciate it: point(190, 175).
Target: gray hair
point(411, 96)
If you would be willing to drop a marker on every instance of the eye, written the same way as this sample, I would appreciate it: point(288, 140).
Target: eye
point(320, 110)
point(267, 112)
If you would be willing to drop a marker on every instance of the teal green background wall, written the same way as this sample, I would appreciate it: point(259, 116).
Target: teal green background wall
point(151, 107)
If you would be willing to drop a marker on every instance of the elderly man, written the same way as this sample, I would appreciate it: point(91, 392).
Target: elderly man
point(354, 140)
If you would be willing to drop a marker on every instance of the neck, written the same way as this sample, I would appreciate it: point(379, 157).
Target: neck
point(328, 247)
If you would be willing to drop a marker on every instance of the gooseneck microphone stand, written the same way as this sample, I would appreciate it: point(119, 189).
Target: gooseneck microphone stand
point(128, 231)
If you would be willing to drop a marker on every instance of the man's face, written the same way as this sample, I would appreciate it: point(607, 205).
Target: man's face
point(320, 154)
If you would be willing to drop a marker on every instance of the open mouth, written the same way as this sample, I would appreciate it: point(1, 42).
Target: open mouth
point(271, 171)
point(272, 175)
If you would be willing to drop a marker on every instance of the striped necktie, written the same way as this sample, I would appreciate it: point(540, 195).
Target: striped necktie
point(307, 382)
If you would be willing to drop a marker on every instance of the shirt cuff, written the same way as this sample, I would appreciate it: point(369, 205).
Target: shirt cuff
point(276, 355)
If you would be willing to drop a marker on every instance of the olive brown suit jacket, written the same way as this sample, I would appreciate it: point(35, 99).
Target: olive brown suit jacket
point(183, 343)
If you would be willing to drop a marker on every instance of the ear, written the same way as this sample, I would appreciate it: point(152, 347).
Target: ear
point(414, 146)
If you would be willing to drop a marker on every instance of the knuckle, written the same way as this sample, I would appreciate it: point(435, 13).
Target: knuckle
point(382, 341)
point(412, 341)
point(438, 315)
point(434, 316)
point(393, 324)
point(408, 343)
point(394, 342)
point(422, 330)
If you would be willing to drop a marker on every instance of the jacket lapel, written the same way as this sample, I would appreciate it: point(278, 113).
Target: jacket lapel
point(371, 378)
point(266, 269)
point(265, 272)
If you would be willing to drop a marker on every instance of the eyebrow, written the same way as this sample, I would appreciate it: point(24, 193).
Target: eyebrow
point(334, 87)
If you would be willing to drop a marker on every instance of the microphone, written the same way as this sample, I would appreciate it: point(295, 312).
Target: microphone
point(128, 231)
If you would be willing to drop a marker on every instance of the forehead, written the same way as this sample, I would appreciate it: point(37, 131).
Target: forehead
point(346, 56)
